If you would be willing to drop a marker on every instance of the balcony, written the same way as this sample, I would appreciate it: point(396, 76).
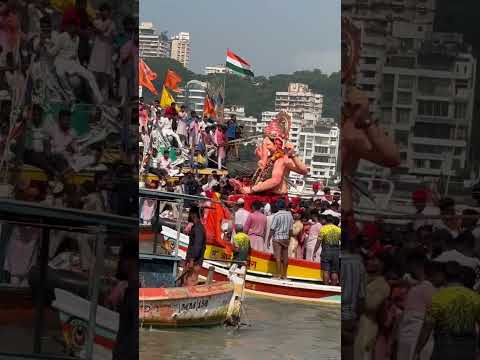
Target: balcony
point(438, 120)
point(436, 141)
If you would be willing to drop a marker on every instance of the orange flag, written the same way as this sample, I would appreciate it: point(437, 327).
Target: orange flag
point(146, 76)
point(209, 107)
point(172, 79)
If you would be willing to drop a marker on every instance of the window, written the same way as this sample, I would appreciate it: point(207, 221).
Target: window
point(404, 98)
point(419, 163)
point(434, 86)
point(433, 108)
point(406, 82)
point(460, 111)
point(370, 60)
point(435, 164)
point(403, 116)
point(458, 151)
point(369, 74)
point(456, 164)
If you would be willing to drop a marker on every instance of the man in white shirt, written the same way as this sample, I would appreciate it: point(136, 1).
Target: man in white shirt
point(167, 131)
point(64, 48)
point(422, 210)
point(241, 215)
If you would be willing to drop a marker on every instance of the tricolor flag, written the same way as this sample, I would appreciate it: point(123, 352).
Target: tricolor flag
point(238, 65)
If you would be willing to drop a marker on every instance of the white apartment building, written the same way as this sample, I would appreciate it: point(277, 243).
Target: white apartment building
point(315, 139)
point(152, 44)
point(420, 84)
point(180, 49)
point(193, 96)
point(217, 69)
point(318, 147)
point(297, 100)
point(427, 104)
point(249, 123)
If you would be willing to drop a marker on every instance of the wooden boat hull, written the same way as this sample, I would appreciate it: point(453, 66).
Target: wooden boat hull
point(303, 284)
point(74, 313)
point(201, 305)
point(259, 263)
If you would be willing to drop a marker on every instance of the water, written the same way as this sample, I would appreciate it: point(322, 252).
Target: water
point(274, 331)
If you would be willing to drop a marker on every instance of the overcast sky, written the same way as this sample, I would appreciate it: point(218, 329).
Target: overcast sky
point(275, 36)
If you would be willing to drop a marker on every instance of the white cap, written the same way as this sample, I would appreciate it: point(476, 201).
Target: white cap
point(240, 201)
point(331, 213)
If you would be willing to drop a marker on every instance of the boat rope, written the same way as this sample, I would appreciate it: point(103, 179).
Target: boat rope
point(92, 230)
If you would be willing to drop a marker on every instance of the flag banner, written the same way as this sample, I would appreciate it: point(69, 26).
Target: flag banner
point(172, 79)
point(238, 65)
point(209, 107)
point(146, 76)
point(166, 99)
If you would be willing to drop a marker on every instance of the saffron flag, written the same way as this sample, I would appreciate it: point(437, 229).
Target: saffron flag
point(172, 79)
point(238, 65)
point(209, 107)
point(166, 99)
point(146, 76)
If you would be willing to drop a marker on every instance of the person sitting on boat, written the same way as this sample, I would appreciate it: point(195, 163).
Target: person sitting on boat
point(196, 247)
point(329, 238)
point(241, 244)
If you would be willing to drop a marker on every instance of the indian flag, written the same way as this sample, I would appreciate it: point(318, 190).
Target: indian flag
point(238, 65)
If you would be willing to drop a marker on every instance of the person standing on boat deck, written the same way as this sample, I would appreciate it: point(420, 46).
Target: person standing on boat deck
point(280, 231)
point(241, 244)
point(196, 247)
point(329, 238)
point(269, 211)
point(242, 214)
point(255, 226)
point(312, 237)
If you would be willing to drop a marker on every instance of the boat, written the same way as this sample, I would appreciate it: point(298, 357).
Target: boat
point(89, 329)
point(162, 304)
point(304, 283)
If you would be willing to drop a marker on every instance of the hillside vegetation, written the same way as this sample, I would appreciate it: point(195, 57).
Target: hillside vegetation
point(257, 94)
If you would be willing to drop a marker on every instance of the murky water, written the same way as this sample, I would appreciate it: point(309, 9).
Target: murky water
point(274, 331)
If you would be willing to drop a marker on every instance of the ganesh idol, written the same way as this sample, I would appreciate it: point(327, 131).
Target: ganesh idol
point(277, 159)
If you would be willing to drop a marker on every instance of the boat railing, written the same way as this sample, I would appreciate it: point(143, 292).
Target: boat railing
point(49, 218)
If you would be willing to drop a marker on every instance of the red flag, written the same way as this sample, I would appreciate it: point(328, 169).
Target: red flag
point(209, 107)
point(172, 79)
point(146, 76)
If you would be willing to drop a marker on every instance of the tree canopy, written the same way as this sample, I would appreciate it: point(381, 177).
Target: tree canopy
point(257, 94)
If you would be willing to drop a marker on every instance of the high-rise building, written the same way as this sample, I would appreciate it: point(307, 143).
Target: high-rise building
point(297, 100)
point(420, 85)
point(152, 44)
point(193, 96)
point(217, 69)
point(180, 49)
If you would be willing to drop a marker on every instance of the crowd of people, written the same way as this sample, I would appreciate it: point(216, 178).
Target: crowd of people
point(411, 292)
point(68, 103)
point(173, 136)
point(69, 73)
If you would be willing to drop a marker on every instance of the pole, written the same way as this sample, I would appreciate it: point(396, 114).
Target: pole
point(224, 93)
point(95, 275)
point(40, 301)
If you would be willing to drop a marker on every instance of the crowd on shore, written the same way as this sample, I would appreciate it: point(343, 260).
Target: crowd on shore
point(411, 292)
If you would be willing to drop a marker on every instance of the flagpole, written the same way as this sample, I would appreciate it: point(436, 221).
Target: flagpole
point(224, 91)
